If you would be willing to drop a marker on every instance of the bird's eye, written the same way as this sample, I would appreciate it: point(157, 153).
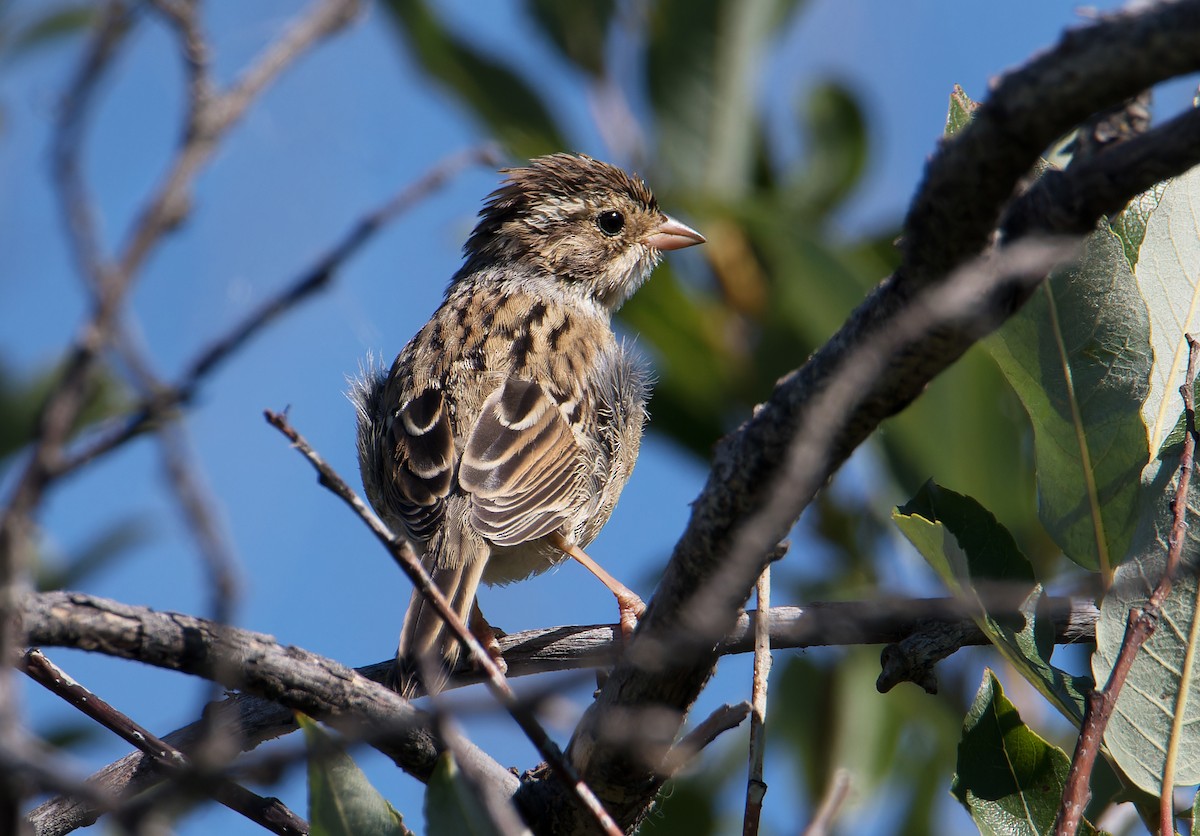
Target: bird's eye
point(610, 222)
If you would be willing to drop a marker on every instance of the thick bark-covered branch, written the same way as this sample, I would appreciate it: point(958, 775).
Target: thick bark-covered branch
point(289, 676)
point(953, 218)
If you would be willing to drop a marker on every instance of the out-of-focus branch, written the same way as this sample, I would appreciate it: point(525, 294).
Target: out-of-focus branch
point(161, 405)
point(253, 719)
point(209, 119)
point(270, 813)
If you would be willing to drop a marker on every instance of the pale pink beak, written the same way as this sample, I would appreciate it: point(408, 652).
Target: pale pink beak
point(673, 235)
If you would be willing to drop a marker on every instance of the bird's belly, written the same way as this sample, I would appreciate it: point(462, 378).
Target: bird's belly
point(507, 564)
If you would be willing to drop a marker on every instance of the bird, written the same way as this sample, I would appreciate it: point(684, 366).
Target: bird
point(503, 433)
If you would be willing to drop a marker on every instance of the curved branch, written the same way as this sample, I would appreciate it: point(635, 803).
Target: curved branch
point(952, 219)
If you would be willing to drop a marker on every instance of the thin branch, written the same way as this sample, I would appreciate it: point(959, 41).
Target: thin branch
point(270, 813)
point(723, 719)
point(17, 529)
point(756, 787)
point(404, 556)
point(1140, 626)
point(75, 203)
point(164, 210)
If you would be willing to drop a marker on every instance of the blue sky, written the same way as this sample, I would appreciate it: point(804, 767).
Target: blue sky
point(335, 136)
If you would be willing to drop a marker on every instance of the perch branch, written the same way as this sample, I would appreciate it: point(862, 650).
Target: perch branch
point(68, 619)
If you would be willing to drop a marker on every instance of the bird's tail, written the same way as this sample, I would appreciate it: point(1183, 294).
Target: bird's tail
point(426, 643)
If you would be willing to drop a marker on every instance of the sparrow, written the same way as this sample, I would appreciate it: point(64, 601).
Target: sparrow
point(503, 434)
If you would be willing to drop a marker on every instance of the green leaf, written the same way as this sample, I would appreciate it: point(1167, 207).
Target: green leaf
point(21, 401)
point(1130, 223)
point(452, 805)
point(972, 551)
point(1157, 706)
point(1009, 779)
point(579, 30)
point(1167, 278)
point(341, 801)
point(960, 112)
point(1078, 356)
point(697, 370)
point(982, 550)
point(491, 91)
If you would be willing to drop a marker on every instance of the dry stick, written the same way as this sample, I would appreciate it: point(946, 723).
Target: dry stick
point(756, 787)
point(270, 813)
point(408, 562)
point(109, 30)
point(1138, 629)
point(722, 719)
point(314, 279)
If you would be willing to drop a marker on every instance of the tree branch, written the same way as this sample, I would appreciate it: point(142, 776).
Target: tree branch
point(60, 618)
point(966, 188)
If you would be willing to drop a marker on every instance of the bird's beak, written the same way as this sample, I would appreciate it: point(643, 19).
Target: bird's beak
point(673, 235)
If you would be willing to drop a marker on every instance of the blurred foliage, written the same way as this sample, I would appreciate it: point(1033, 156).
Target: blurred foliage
point(21, 400)
point(341, 801)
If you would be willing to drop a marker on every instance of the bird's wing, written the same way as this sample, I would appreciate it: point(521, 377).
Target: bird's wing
point(521, 465)
point(424, 462)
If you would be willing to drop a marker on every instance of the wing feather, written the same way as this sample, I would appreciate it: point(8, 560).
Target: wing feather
point(424, 462)
point(521, 465)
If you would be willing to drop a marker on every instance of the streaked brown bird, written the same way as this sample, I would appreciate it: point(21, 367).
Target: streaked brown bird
point(507, 427)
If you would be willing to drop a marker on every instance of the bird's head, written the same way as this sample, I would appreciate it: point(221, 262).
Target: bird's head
point(577, 221)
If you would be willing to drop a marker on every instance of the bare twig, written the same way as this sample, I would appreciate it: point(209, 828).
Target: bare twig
point(723, 719)
point(208, 121)
point(756, 787)
point(270, 813)
point(1140, 626)
point(17, 528)
point(404, 556)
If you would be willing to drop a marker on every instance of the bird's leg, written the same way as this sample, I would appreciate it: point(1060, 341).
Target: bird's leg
point(629, 605)
point(486, 634)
